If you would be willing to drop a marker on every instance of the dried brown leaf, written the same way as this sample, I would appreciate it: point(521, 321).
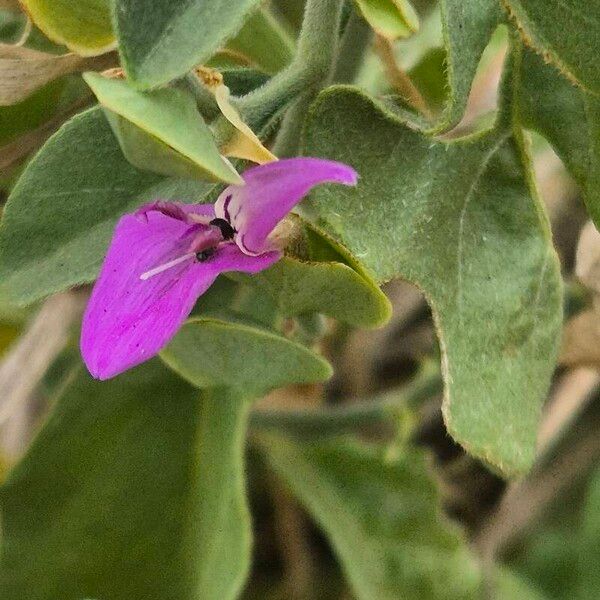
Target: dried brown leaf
point(24, 70)
point(588, 258)
point(581, 340)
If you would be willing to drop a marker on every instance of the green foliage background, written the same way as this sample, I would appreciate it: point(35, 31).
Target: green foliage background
point(140, 488)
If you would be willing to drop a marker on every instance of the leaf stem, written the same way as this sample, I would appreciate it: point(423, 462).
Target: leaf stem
point(331, 421)
point(357, 36)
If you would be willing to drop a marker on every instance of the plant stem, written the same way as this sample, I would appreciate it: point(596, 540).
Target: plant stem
point(357, 36)
point(290, 131)
point(338, 420)
point(401, 82)
point(310, 68)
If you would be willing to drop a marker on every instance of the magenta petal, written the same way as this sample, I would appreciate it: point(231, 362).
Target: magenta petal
point(271, 191)
point(128, 320)
point(176, 210)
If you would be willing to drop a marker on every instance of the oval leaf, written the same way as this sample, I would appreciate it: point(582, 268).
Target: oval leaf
point(331, 288)
point(83, 26)
point(211, 352)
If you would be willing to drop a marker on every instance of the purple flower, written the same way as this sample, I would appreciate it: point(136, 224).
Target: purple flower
point(167, 254)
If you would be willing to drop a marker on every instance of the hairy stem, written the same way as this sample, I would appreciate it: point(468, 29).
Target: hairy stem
point(310, 68)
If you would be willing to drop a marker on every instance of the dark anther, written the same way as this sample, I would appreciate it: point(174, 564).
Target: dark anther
point(227, 231)
point(204, 254)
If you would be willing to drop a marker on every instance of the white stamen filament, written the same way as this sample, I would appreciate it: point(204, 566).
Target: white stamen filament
point(165, 266)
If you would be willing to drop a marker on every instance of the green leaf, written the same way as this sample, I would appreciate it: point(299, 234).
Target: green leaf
point(61, 214)
point(429, 75)
point(263, 40)
point(331, 288)
point(159, 41)
point(568, 117)
point(382, 517)
point(588, 570)
point(219, 523)
point(133, 490)
point(566, 32)
point(242, 81)
point(211, 352)
point(83, 26)
point(460, 221)
point(510, 586)
point(467, 26)
point(31, 112)
point(170, 117)
point(392, 19)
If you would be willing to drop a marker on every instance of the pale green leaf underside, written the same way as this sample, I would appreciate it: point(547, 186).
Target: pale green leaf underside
point(159, 41)
point(382, 517)
point(566, 32)
point(60, 216)
point(169, 115)
point(392, 19)
point(83, 26)
point(264, 41)
point(148, 153)
point(459, 221)
point(211, 352)
point(133, 490)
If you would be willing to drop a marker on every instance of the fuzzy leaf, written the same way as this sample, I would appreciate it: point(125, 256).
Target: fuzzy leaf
point(459, 220)
point(565, 32)
point(133, 490)
point(60, 216)
point(211, 352)
point(159, 41)
point(382, 517)
point(331, 288)
point(568, 117)
point(467, 26)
